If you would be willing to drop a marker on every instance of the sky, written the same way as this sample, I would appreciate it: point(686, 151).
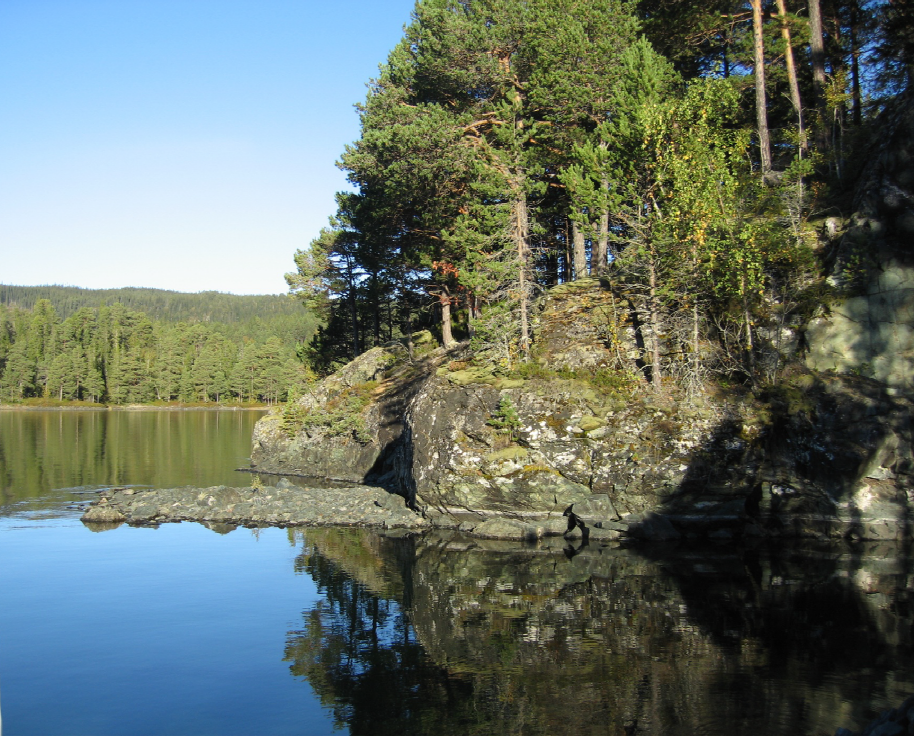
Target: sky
point(177, 144)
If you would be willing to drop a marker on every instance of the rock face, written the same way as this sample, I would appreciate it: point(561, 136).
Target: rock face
point(284, 504)
point(823, 456)
point(826, 454)
point(870, 330)
point(319, 451)
point(895, 722)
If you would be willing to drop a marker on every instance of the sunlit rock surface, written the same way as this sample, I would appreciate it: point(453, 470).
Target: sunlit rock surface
point(820, 456)
point(284, 504)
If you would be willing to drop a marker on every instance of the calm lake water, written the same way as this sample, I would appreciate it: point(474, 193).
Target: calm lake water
point(187, 630)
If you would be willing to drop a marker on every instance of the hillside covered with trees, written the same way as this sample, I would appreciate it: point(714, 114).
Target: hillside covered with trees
point(687, 154)
point(201, 348)
point(163, 305)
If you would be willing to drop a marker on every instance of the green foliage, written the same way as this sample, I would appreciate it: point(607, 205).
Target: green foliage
point(533, 369)
point(158, 304)
point(505, 419)
point(116, 355)
point(508, 146)
point(342, 415)
point(614, 383)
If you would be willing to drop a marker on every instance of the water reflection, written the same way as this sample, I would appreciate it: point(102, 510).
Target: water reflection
point(78, 451)
point(449, 635)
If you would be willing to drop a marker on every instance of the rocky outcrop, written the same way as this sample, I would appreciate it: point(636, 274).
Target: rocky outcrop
point(870, 329)
point(822, 456)
point(568, 445)
point(320, 449)
point(284, 504)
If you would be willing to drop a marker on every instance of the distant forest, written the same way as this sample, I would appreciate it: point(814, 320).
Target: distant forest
point(158, 304)
point(125, 346)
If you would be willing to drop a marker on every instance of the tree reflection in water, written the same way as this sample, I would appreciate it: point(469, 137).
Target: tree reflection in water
point(360, 654)
point(444, 635)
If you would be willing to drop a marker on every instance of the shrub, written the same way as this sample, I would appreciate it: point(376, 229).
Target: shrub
point(505, 419)
point(342, 415)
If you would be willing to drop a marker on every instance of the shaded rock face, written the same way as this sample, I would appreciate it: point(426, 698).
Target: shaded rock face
point(873, 333)
point(841, 466)
point(871, 330)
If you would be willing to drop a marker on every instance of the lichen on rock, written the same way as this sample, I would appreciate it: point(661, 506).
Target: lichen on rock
point(818, 455)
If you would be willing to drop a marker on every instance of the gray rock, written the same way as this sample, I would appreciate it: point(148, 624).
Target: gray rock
point(222, 508)
point(103, 514)
point(597, 507)
point(501, 529)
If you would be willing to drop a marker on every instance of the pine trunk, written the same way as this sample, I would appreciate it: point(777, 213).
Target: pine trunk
point(761, 105)
point(353, 316)
point(447, 337)
point(520, 231)
point(600, 254)
point(750, 343)
point(353, 311)
point(817, 59)
point(855, 65)
point(696, 355)
point(471, 314)
point(654, 316)
point(792, 75)
point(579, 251)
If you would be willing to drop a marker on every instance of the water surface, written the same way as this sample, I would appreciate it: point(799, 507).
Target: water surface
point(186, 630)
point(43, 452)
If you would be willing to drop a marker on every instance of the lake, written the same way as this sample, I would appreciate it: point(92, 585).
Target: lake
point(189, 630)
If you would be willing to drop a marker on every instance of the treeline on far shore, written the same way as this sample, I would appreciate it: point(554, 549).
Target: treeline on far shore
point(113, 354)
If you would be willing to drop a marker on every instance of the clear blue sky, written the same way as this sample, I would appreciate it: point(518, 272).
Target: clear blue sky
point(177, 144)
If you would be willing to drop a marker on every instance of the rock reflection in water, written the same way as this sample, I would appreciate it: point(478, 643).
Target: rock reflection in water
point(446, 635)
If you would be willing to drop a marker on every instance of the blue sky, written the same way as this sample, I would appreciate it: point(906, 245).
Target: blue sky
point(185, 145)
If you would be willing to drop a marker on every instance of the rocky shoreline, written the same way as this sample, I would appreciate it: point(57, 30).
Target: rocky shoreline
point(286, 505)
point(283, 504)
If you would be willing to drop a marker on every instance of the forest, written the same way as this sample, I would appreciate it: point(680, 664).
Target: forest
point(84, 349)
point(686, 154)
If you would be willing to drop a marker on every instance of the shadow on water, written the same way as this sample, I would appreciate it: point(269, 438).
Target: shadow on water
point(449, 635)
